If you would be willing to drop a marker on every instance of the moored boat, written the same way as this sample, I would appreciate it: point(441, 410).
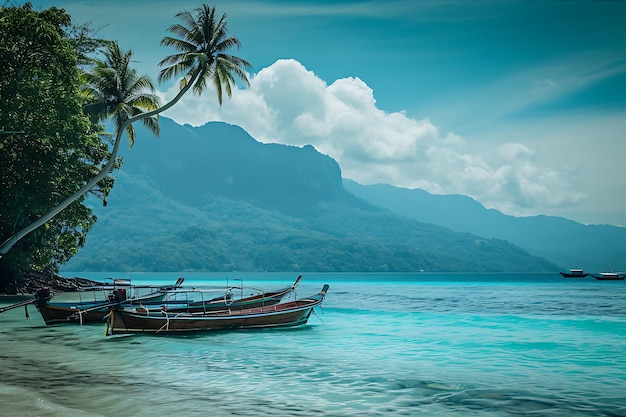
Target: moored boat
point(141, 320)
point(230, 300)
point(120, 292)
point(610, 276)
point(574, 273)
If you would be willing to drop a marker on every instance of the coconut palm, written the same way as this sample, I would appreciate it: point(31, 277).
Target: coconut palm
point(202, 44)
point(114, 90)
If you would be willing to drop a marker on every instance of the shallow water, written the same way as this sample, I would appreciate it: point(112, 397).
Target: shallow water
point(381, 345)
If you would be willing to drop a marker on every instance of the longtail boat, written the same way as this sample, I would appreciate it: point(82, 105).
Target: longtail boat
point(121, 293)
point(230, 300)
point(141, 320)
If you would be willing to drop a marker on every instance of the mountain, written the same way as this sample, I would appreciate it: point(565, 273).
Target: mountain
point(212, 198)
point(190, 164)
point(562, 241)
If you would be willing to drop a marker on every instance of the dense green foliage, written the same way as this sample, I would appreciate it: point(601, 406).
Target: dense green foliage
point(163, 234)
point(54, 148)
point(54, 156)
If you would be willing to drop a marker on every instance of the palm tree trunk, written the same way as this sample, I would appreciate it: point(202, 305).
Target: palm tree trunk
point(14, 238)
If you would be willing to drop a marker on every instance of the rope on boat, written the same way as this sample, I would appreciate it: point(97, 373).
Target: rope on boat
point(79, 313)
point(107, 329)
point(316, 315)
point(228, 296)
point(147, 310)
point(167, 322)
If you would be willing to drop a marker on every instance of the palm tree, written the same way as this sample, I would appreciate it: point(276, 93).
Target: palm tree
point(114, 90)
point(202, 44)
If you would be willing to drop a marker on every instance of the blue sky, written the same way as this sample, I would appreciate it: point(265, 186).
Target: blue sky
point(519, 104)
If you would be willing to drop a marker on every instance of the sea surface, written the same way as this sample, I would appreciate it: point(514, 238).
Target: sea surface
point(381, 345)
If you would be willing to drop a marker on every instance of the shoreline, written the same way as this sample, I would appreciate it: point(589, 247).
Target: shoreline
point(34, 281)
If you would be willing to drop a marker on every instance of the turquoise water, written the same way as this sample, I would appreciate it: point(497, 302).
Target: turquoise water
point(381, 345)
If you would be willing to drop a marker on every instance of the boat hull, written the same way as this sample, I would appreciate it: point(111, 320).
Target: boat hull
point(290, 314)
point(610, 276)
point(575, 275)
point(56, 314)
point(83, 312)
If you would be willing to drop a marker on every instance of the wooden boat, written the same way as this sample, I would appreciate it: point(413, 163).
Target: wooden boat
point(227, 301)
point(121, 292)
point(574, 273)
point(610, 276)
point(141, 320)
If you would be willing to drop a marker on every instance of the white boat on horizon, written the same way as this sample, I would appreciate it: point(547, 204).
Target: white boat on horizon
point(610, 276)
point(574, 273)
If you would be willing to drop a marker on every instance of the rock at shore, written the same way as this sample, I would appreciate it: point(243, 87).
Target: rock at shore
point(36, 280)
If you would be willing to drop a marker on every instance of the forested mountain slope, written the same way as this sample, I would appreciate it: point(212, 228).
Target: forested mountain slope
point(212, 198)
point(562, 241)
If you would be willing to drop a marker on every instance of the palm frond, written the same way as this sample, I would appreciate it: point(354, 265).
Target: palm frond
point(202, 41)
point(115, 90)
point(152, 123)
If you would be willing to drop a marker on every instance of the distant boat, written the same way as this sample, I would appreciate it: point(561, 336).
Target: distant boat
point(610, 276)
point(574, 273)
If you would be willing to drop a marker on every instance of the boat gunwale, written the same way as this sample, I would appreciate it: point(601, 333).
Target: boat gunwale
point(224, 314)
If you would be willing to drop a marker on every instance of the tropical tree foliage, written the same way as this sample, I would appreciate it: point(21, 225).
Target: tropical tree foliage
point(203, 43)
point(48, 147)
point(114, 90)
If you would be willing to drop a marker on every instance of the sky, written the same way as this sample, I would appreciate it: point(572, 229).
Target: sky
point(518, 104)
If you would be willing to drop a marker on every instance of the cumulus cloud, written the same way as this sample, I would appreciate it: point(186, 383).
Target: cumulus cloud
point(289, 104)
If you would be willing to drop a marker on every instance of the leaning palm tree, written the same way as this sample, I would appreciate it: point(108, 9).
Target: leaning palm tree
point(203, 43)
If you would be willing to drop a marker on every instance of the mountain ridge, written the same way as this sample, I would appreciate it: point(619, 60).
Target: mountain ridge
point(563, 241)
point(225, 202)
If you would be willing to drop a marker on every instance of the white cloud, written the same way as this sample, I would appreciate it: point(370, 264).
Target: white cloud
point(286, 103)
